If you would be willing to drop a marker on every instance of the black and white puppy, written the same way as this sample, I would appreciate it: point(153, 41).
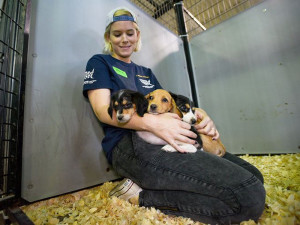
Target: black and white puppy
point(125, 103)
point(186, 107)
point(187, 110)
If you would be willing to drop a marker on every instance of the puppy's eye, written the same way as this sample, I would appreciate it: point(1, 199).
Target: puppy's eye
point(150, 98)
point(128, 106)
point(184, 108)
point(165, 100)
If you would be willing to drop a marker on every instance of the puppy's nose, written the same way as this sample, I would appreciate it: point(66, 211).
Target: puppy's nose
point(120, 117)
point(153, 107)
point(193, 121)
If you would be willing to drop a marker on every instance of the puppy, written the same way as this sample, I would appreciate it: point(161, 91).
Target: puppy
point(187, 110)
point(160, 101)
point(125, 103)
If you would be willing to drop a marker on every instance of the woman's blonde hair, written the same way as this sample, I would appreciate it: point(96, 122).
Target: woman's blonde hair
point(107, 45)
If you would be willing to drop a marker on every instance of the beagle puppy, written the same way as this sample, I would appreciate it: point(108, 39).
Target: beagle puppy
point(125, 103)
point(161, 101)
point(186, 108)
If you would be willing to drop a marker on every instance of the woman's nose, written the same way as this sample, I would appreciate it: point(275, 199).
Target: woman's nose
point(124, 38)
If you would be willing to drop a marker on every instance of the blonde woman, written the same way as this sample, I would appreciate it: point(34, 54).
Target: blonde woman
point(200, 186)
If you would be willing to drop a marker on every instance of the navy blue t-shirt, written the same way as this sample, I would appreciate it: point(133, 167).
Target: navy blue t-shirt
point(104, 71)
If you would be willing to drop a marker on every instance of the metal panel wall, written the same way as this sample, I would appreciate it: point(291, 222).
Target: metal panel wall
point(248, 77)
point(62, 138)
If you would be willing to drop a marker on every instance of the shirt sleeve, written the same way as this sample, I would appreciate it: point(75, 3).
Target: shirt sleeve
point(155, 81)
point(96, 75)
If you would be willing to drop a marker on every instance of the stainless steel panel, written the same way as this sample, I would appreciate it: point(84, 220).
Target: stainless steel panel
point(247, 71)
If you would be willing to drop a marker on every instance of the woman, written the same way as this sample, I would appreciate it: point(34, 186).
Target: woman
point(201, 186)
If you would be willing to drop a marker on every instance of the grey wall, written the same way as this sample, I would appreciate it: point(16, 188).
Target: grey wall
point(62, 138)
point(247, 73)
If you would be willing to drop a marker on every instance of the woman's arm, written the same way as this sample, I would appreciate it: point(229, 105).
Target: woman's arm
point(167, 126)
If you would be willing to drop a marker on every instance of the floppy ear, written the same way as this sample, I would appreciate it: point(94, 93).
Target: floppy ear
point(174, 106)
point(110, 108)
point(141, 103)
point(174, 96)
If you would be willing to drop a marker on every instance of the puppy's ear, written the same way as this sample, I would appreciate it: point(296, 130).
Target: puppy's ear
point(141, 103)
point(174, 96)
point(110, 108)
point(174, 106)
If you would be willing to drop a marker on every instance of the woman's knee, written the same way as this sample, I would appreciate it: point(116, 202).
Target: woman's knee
point(252, 200)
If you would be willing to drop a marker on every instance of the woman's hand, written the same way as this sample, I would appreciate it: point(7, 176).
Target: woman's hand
point(206, 126)
point(170, 128)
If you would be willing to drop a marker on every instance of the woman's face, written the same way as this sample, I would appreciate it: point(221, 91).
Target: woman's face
point(123, 38)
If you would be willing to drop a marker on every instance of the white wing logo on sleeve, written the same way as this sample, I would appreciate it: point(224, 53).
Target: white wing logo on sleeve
point(88, 78)
point(146, 83)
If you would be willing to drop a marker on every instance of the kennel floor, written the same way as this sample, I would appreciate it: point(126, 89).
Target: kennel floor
point(93, 206)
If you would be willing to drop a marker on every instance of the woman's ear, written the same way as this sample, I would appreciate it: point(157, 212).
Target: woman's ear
point(106, 36)
point(138, 43)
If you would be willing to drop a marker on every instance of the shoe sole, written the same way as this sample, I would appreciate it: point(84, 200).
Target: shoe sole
point(118, 190)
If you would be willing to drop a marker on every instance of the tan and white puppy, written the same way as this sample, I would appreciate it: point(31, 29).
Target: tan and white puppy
point(160, 101)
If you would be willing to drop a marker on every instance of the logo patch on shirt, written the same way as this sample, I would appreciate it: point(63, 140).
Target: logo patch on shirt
point(120, 72)
point(88, 78)
point(89, 74)
point(146, 83)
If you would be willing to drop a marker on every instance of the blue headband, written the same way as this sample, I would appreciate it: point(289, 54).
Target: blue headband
point(123, 18)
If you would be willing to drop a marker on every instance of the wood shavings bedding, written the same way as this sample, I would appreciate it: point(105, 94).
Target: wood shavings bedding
point(93, 206)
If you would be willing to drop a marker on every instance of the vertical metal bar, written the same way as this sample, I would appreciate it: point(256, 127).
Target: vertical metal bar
point(184, 36)
point(21, 99)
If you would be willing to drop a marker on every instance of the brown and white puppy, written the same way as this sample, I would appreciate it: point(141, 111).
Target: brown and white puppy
point(186, 108)
point(125, 103)
point(160, 101)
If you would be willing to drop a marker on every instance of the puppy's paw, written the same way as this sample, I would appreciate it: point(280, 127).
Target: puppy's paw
point(168, 148)
point(189, 148)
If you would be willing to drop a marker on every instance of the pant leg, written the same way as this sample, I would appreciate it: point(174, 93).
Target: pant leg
point(201, 186)
point(252, 169)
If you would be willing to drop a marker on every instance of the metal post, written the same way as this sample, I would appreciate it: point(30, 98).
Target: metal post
point(178, 6)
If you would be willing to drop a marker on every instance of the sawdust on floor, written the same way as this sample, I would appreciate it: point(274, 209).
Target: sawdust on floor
point(93, 206)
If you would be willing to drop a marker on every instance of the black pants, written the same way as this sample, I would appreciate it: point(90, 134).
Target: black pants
point(201, 186)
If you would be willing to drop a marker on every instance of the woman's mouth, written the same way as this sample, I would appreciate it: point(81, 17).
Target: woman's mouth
point(125, 47)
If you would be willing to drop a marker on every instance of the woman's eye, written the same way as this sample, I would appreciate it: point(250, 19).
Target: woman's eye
point(165, 100)
point(117, 34)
